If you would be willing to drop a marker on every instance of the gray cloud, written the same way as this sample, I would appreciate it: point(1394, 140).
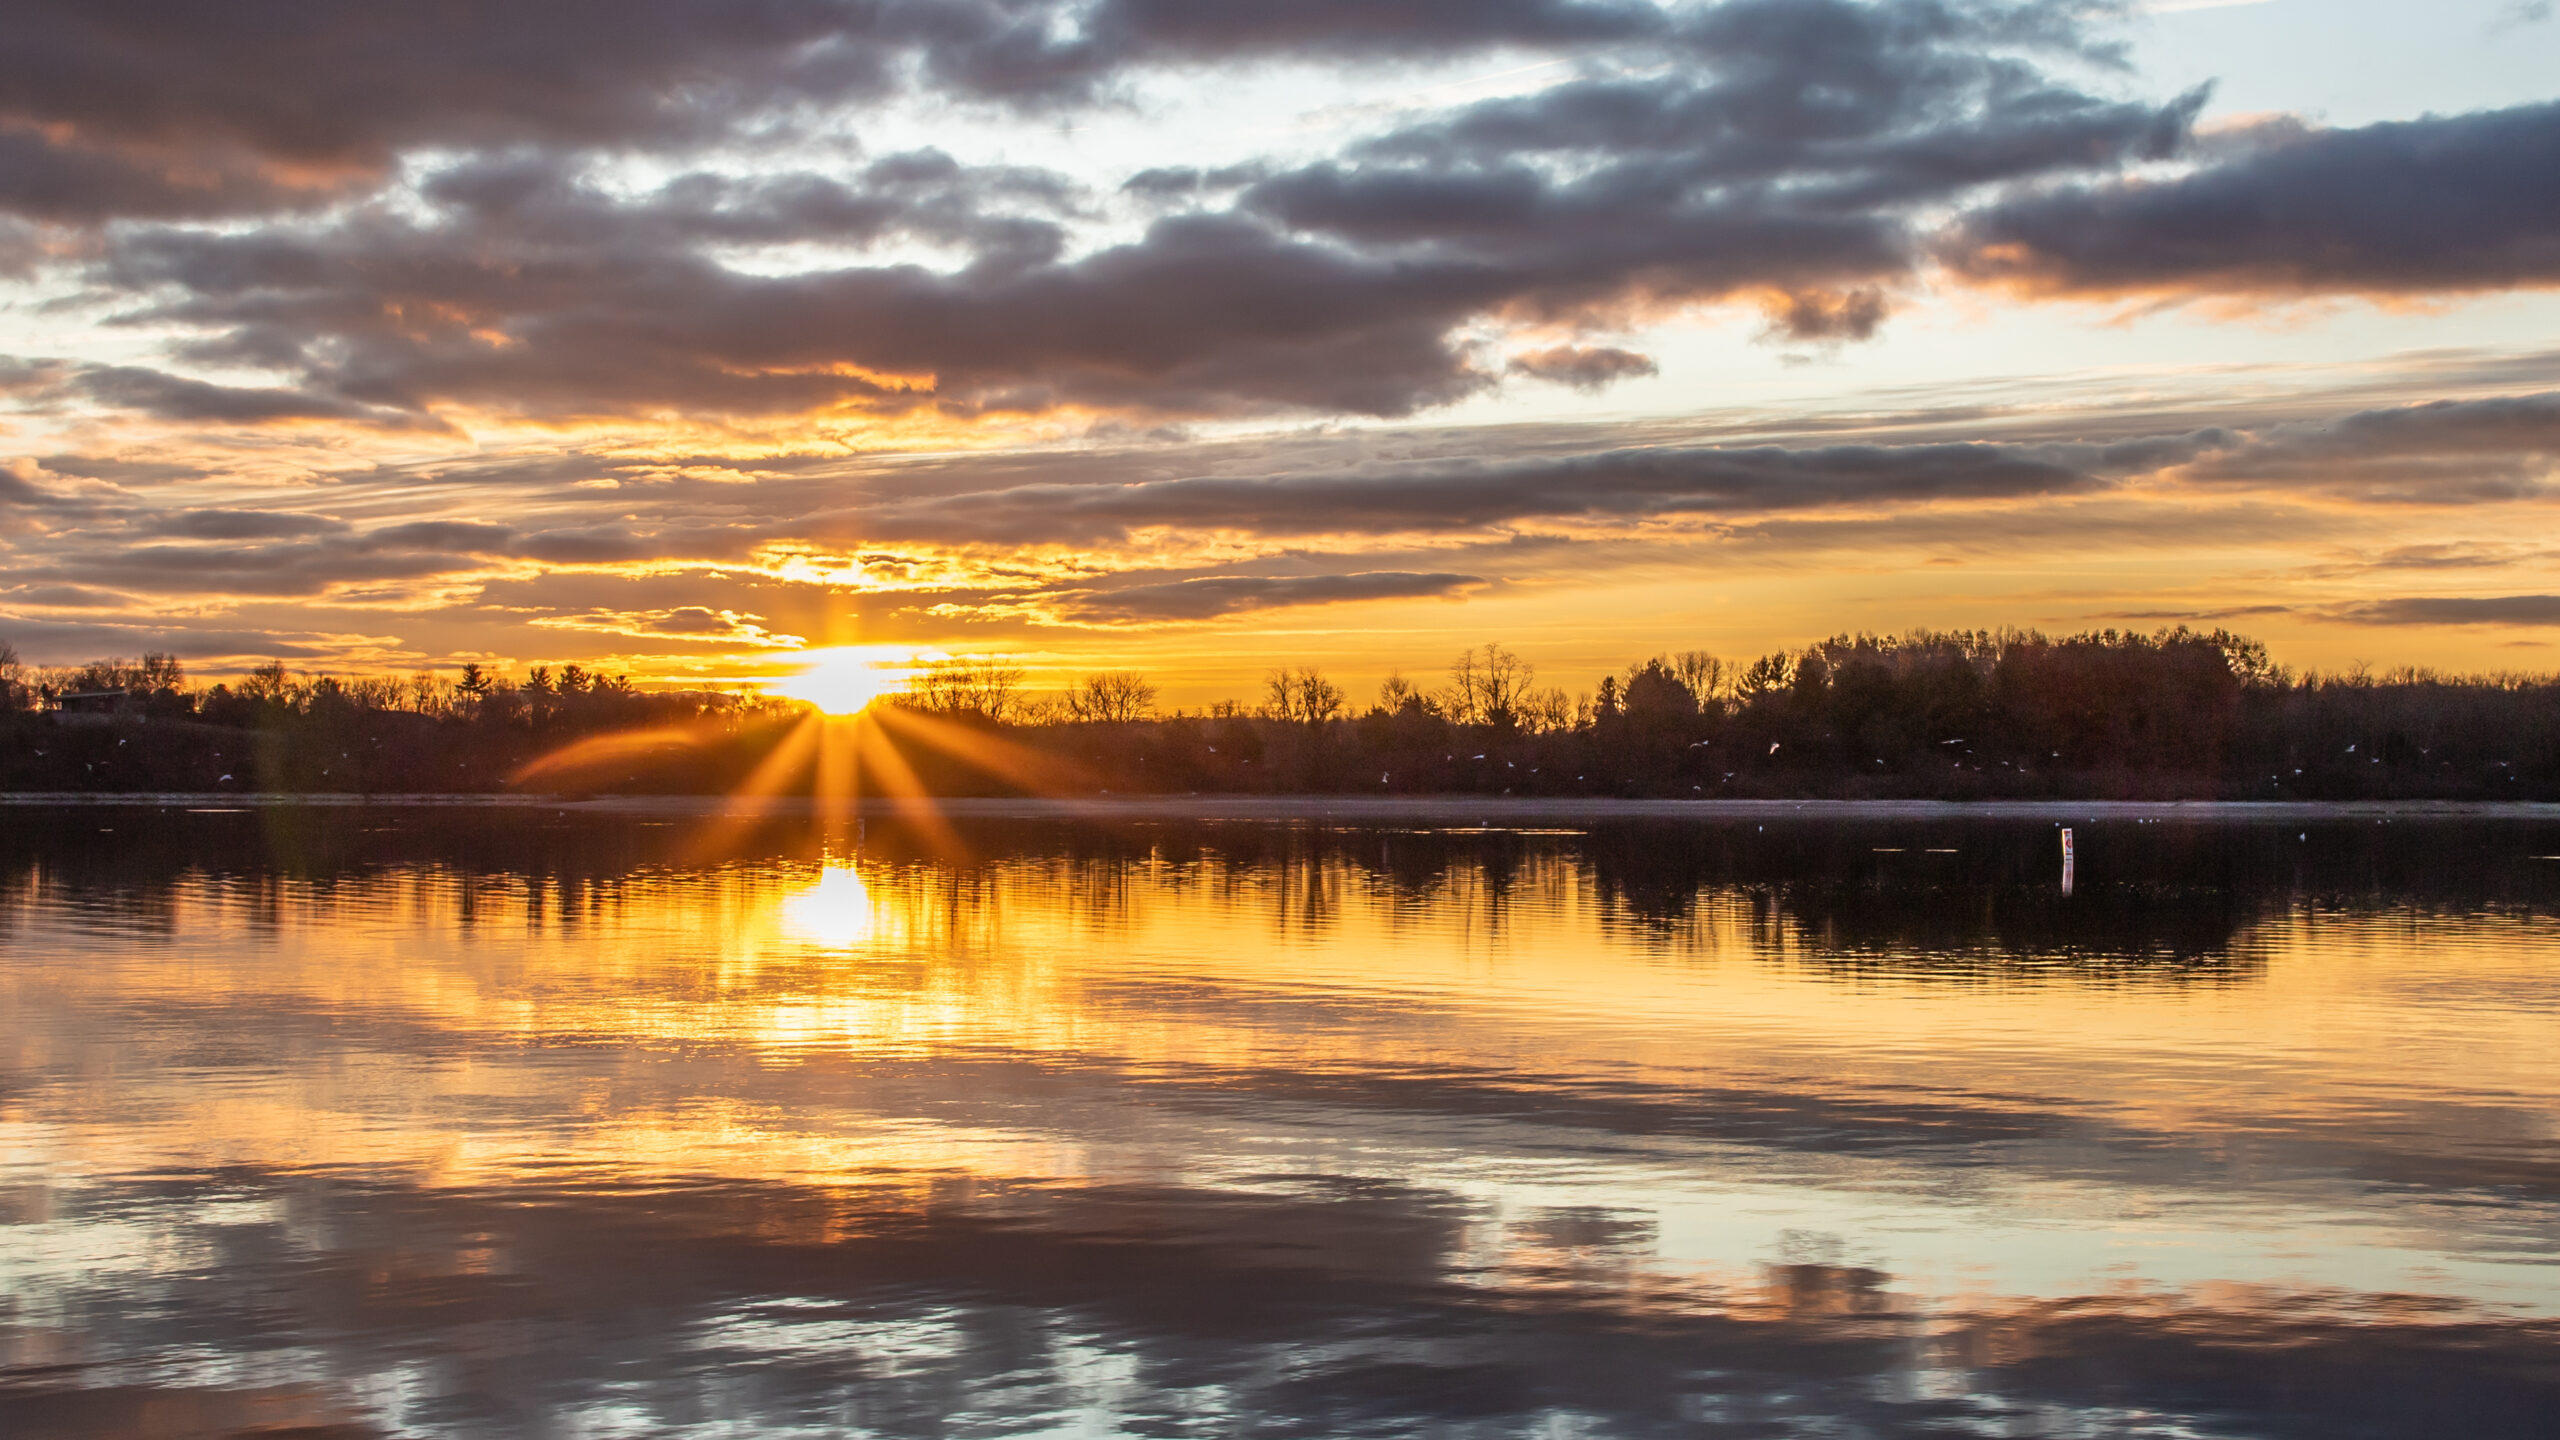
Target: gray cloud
point(213, 523)
point(155, 108)
point(2456, 610)
point(1208, 597)
point(63, 597)
point(53, 641)
point(1618, 485)
point(44, 384)
point(1204, 314)
point(1787, 156)
point(2451, 452)
point(18, 489)
point(1822, 316)
point(2443, 451)
point(2445, 203)
point(1584, 367)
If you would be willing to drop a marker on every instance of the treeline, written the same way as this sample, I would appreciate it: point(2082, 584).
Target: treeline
point(2177, 714)
point(1974, 714)
point(111, 725)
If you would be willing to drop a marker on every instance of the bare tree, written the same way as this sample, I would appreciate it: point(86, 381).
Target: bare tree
point(14, 694)
point(1547, 711)
point(1485, 687)
point(985, 684)
point(1300, 693)
point(429, 693)
point(1708, 678)
point(268, 683)
point(159, 671)
point(1396, 695)
point(1113, 696)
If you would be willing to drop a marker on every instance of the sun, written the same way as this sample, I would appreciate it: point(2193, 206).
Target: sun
point(844, 680)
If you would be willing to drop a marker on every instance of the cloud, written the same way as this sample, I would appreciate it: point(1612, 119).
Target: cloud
point(51, 383)
point(2456, 610)
point(214, 523)
point(155, 109)
point(1213, 596)
point(64, 597)
point(2437, 452)
point(2441, 204)
point(1592, 367)
point(19, 485)
point(1824, 316)
point(51, 640)
point(1789, 153)
point(1609, 485)
point(147, 107)
point(1202, 315)
point(686, 624)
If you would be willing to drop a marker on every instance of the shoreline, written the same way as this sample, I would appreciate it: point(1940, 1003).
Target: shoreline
point(1353, 809)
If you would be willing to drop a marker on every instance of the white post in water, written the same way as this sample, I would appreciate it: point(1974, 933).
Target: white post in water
point(2066, 859)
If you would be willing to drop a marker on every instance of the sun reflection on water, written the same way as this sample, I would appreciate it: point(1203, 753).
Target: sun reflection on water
point(837, 912)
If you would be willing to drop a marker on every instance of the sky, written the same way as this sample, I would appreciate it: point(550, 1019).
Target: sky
point(682, 338)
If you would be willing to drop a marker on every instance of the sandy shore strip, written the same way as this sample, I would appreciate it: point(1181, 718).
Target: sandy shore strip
point(1490, 811)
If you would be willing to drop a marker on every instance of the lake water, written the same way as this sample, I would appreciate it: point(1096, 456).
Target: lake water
point(491, 1123)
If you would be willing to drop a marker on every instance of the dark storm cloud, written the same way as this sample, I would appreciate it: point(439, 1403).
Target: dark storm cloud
point(1786, 156)
point(1212, 596)
point(2445, 203)
point(2457, 610)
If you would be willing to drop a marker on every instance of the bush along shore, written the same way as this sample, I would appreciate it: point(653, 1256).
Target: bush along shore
point(1968, 715)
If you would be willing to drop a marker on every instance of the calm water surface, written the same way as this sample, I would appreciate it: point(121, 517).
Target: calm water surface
point(423, 1122)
